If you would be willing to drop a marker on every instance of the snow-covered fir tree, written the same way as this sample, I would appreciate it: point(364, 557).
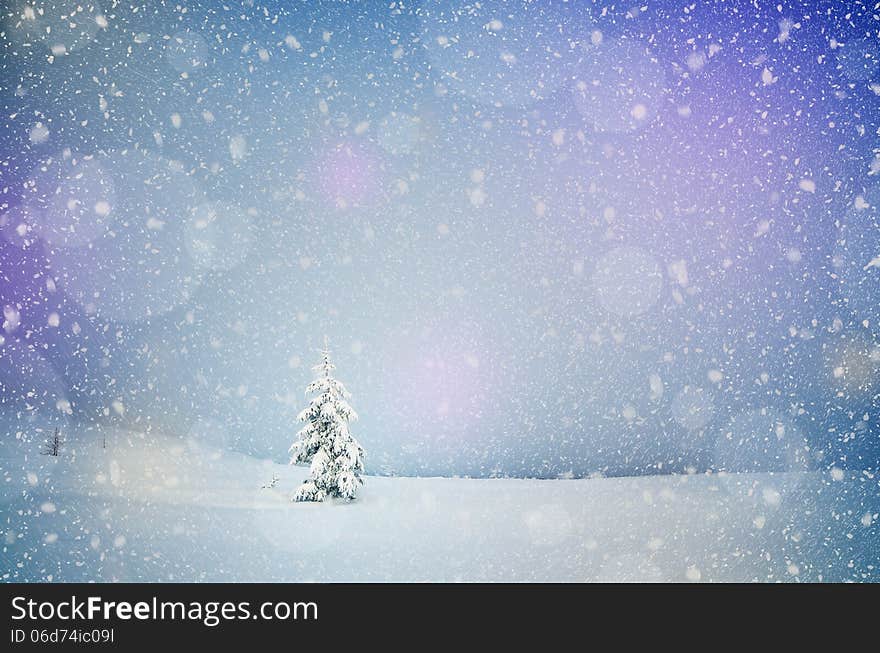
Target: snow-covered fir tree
point(337, 460)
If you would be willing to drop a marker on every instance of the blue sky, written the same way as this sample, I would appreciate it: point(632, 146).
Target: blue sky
point(545, 239)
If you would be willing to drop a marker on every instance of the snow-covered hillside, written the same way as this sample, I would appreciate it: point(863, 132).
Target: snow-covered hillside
point(148, 509)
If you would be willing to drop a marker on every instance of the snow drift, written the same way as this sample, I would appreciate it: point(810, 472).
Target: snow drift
point(163, 509)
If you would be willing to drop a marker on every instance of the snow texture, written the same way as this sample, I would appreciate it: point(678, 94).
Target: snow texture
point(162, 509)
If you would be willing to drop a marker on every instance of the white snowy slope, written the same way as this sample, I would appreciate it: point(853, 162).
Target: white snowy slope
point(160, 509)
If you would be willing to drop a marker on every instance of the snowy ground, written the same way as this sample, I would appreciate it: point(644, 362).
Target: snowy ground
point(167, 510)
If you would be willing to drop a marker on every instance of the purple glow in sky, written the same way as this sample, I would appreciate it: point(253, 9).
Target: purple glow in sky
point(586, 239)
